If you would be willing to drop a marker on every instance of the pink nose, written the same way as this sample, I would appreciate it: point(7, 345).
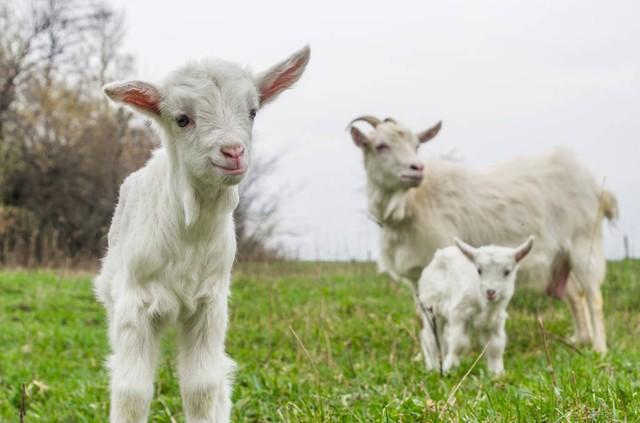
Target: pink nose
point(417, 166)
point(233, 151)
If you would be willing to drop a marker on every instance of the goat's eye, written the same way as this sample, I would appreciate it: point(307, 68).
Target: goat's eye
point(182, 121)
point(507, 272)
point(252, 113)
point(382, 147)
point(479, 271)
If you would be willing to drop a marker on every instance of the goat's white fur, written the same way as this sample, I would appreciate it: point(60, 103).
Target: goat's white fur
point(552, 197)
point(464, 290)
point(172, 240)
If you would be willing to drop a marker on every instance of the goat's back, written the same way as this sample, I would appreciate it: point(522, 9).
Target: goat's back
point(552, 197)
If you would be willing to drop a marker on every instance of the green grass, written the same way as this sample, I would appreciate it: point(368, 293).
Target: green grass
point(323, 342)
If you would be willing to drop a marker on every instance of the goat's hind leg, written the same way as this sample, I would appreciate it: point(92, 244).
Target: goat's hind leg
point(134, 341)
point(205, 370)
point(596, 310)
point(583, 330)
point(589, 267)
point(564, 283)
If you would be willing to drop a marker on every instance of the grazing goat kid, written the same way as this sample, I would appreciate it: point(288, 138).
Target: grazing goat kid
point(467, 289)
point(172, 239)
point(422, 206)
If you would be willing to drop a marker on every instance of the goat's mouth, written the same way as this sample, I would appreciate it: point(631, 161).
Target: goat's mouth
point(239, 169)
point(413, 179)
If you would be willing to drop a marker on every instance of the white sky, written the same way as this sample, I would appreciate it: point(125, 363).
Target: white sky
point(506, 77)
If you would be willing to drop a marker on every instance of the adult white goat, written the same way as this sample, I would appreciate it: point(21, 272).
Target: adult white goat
point(172, 240)
point(465, 290)
point(552, 197)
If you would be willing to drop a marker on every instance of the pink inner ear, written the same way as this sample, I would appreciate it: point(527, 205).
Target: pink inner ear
point(143, 99)
point(281, 82)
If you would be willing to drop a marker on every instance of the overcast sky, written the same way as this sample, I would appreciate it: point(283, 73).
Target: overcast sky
point(506, 78)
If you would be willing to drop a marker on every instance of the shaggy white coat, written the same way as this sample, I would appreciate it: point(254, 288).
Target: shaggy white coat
point(465, 291)
point(172, 240)
point(552, 197)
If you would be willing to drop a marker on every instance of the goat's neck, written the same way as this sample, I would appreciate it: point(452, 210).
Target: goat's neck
point(389, 207)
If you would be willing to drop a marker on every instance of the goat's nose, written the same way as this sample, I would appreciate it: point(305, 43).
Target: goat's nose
point(417, 166)
point(491, 293)
point(233, 151)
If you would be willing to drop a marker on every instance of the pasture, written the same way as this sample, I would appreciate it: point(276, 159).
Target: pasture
point(318, 342)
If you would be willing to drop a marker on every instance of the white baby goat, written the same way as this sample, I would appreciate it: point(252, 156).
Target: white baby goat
point(464, 290)
point(422, 206)
point(172, 240)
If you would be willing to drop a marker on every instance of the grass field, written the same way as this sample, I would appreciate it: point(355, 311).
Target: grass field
point(324, 342)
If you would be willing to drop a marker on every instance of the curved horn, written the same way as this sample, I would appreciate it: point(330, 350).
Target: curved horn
point(371, 120)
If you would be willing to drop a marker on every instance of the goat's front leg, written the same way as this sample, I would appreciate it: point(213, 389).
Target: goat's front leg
point(134, 342)
point(205, 370)
point(495, 349)
point(457, 342)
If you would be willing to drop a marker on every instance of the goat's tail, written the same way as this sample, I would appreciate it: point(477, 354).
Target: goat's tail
point(609, 205)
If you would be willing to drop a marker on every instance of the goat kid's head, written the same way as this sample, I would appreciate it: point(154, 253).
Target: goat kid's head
point(497, 267)
point(207, 110)
point(391, 152)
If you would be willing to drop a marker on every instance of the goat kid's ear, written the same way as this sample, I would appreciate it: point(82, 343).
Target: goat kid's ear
point(282, 76)
point(359, 138)
point(430, 133)
point(524, 249)
point(139, 95)
point(466, 249)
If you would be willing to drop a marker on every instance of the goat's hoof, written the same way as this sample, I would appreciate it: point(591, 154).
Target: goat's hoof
point(496, 374)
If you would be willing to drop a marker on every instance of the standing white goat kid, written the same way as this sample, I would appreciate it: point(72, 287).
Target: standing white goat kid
point(172, 240)
point(467, 289)
point(422, 206)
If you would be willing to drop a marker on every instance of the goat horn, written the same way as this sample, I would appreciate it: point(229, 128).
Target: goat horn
point(371, 120)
